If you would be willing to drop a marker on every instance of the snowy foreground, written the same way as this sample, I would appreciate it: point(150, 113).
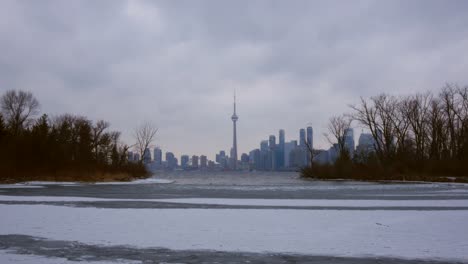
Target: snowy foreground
point(415, 232)
point(407, 234)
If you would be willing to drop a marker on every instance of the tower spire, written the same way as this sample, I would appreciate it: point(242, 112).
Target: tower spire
point(234, 119)
point(234, 102)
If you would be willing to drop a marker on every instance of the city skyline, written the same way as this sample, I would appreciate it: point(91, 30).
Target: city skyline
point(176, 64)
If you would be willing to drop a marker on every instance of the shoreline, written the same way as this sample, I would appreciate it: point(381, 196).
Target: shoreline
point(80, 178)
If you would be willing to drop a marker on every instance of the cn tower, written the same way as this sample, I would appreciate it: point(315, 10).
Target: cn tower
point(234, 119)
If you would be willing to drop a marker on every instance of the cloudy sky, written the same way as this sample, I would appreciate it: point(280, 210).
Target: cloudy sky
point(177, 63)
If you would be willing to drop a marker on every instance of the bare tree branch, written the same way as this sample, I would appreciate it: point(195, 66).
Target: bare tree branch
point(144, 136)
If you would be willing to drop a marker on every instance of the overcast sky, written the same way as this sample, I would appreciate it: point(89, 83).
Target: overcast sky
point(177, 63)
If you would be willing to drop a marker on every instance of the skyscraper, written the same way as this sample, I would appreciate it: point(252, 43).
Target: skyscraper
point(195, 161)
point(184, 161)
point(272, 153)
point(264, 145)
point(280, 151)
point(310, 143)
point(147, 156)
point(234, 119)
point(310, 136)
point(171, 160)
point(349, 141)
point(302, 137)
point(203, 161)
point(288, 148)
point(157, 155)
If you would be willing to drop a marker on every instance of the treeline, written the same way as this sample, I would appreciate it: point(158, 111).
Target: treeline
point(64, 148)
point(422, 136)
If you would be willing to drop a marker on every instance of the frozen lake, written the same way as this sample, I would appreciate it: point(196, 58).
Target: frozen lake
point(192, 217)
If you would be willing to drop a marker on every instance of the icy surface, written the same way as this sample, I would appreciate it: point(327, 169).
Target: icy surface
point(10, 258)
point(413, 221)
point(255, 202)
point(406, 234)
point(16, 186)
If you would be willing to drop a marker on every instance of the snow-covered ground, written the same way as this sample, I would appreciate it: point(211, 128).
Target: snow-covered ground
point(404, 234)
point(404, 221)
point(255, 202)
point(8, 257)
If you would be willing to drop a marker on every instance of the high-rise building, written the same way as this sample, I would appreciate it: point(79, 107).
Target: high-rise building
point(157, 155)
point(310, 136)
point(234, 119)
point(254, 159)
point(203, 161)
point(366, 144)
point(171, 161)
point(264, 145)
point(288, 147)
point(302, 137)
point(280, 150)
point(272, 153)
point(184, 161)
point(194, 161)
point(310, 143)
point(272, 142)
point(147, 156)
point(297, 157)
point(349, 141)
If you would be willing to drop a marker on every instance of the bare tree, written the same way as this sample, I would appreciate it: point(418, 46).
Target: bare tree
point(337, 128)
point(366, 114)
point(99, 137)
point(144, 136)
point(382, 116)
point(18, 107)
point(416, 109)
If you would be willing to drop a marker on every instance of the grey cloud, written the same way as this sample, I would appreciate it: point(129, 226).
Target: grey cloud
point(178, 62)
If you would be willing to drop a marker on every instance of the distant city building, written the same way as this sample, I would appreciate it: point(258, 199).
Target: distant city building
point(272, 142)
point(288, 147)
point(184, 161)
point(280, 150)
point(254, 159)
point(157, 156)
point(310, 142)
point(297, 157)
point(366, 144)
point(302, 137)
point(244, 158)
point(211, 165)
point(147, 156)
point(171, 161)
point(194, 161)
point(203, 162)
point(349, 141)
point(264, 145)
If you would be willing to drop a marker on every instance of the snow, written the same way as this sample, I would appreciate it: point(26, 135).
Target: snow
point(41, 184)
point(51, 183)
point(16, 186)
point(8, 257)
point(406, 234)
point(320, 202)
point(142, 181)
point(255, 202)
